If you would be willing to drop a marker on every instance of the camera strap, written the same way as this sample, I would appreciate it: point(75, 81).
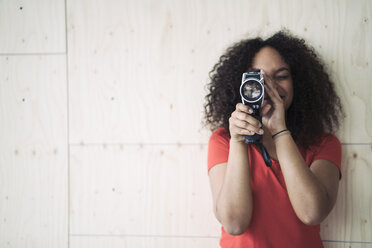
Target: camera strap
point(265, 155)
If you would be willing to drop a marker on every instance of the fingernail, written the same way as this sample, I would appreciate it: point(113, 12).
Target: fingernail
point(250, 111)
point(261, 131)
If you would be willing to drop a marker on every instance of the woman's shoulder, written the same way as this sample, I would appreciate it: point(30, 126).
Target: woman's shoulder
point(327, 139)
point(218, 147)
point(328, 147)
point(322, 140)
point(220, 133)
point(219, 138)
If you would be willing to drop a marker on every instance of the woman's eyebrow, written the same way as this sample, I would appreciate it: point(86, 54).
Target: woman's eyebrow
point(250, 69)
point(277, 71)
point(281, 69)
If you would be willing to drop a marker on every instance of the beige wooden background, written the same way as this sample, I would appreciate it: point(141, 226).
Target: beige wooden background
point(101, 142)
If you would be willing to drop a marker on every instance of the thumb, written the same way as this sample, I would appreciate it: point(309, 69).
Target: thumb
point(265, 109)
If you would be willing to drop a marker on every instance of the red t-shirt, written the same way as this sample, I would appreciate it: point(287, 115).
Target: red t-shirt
point(274, 222)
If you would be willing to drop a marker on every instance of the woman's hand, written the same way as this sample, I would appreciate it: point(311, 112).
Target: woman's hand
point(242, 123)
point(273, 110)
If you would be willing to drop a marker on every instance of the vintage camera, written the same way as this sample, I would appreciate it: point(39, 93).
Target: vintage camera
point(252, 92)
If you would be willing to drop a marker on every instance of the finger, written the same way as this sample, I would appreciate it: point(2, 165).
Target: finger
point(246, 125)
point(270, 82)
point(273, 94)
point(267, 78)
point(272, 88)
point(245, 117)
point(269, 86)
point(265, 109)
point(244, 108)
point(253, 121)
point(243, 131)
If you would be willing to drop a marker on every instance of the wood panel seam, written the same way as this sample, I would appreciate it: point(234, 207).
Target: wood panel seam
point(143, 236)
point(68, 128)
point(32, 54)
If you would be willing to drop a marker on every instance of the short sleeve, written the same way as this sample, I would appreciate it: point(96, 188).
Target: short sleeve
point(218, 148)
point(330, 149)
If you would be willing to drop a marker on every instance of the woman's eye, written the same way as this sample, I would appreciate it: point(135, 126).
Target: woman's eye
point(282, 77)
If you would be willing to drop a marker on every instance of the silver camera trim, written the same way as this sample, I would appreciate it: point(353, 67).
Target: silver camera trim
point(247, 76)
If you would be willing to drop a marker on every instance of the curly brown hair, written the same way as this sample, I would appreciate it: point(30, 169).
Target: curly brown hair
point(315, 108)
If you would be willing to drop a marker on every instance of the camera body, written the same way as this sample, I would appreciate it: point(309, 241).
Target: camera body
point(252, 92)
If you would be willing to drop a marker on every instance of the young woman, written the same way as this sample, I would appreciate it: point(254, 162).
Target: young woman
point(280, 205)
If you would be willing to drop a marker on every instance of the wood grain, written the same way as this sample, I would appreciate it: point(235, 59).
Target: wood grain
point(141, 190)
point(351, 219)
point(29, 27)
point(346, 245)
point(142, 242)
point(138, 67)
point(129, 107)
point(33, 157)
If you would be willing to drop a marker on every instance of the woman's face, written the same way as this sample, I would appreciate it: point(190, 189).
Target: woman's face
point(270, 61)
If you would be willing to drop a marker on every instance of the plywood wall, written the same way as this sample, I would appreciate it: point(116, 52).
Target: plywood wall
point(100, 116)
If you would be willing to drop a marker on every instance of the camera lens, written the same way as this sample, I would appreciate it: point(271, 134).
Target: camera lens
point(252, 90)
